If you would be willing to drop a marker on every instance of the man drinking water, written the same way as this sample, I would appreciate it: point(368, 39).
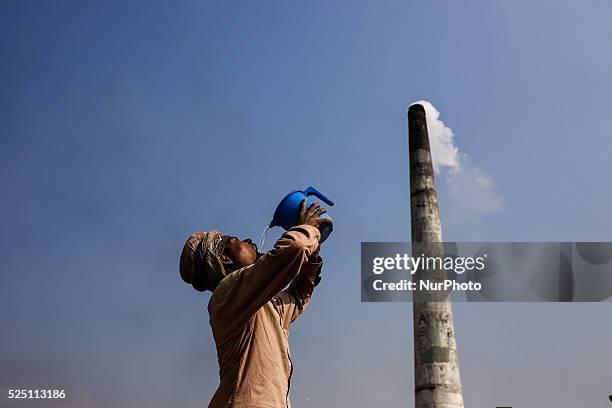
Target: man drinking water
point(250, 309)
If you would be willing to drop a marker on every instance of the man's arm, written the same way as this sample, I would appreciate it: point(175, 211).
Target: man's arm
point(292, 302)
point(243, 292)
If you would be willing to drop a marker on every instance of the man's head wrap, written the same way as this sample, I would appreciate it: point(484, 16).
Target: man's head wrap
point(200, 264)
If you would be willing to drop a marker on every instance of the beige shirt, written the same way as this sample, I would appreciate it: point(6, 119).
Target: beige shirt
point(250, 315)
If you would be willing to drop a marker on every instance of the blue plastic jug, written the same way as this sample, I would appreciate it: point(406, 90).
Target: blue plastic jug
point(288, 210)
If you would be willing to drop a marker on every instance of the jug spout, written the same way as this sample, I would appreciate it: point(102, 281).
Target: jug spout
point(313, 191)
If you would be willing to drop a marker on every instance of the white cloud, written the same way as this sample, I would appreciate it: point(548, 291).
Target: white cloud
point(471, 188)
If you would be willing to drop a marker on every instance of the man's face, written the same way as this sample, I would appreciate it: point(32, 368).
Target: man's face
point(242, 253)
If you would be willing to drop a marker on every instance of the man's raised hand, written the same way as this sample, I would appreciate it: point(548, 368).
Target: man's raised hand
point(312, 215)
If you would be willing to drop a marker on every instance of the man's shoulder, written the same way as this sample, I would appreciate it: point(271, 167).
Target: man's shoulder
point(228, 289)
point(226, 285)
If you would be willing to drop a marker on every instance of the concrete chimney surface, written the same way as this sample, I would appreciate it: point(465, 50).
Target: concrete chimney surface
point(436, 364)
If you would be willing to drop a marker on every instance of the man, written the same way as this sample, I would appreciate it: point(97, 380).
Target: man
point(250, 313)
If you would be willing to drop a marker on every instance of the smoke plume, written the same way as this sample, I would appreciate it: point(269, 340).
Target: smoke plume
point(471, 189)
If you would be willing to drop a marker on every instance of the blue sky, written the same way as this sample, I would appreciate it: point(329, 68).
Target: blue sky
point(124, 127)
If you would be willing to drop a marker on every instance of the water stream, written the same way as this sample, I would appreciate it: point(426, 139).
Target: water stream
point(262, 240)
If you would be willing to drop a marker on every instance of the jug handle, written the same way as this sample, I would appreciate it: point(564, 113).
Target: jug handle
point(313, 191)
